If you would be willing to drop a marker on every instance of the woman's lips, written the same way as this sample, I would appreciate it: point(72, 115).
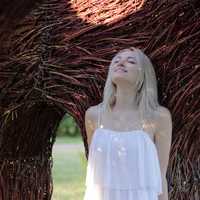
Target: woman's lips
point(121, 69)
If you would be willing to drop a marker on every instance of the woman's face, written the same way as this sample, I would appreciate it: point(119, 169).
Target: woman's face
point(125, 66)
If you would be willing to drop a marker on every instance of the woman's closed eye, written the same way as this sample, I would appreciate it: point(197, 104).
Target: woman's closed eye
point(116, 61)
point(131, 61)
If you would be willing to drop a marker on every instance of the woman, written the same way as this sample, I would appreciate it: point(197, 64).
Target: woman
point(129, 134)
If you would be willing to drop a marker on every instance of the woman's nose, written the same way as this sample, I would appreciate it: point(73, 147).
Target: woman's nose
point(121, 62)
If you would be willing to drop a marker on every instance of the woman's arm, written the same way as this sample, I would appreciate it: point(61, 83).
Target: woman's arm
point(90, 122)
point(163, 139)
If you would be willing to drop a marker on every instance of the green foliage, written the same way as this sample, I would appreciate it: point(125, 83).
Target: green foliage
point(67, 127)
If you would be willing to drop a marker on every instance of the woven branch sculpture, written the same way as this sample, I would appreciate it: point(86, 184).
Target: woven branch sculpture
point(54, 59)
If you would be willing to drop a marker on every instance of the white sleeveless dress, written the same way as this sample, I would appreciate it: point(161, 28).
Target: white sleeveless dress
point(122, 165)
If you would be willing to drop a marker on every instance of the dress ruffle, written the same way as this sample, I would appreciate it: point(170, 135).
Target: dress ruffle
point(101, 193)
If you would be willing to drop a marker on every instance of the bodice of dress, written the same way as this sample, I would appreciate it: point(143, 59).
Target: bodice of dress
point(123, 160)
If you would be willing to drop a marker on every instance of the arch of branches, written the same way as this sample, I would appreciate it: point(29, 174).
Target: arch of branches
point(54, 59)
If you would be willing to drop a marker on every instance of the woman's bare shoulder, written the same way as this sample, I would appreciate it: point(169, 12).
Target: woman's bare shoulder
point(92, 112)
point(163, 112)
point(91, 117)
point(163, 118)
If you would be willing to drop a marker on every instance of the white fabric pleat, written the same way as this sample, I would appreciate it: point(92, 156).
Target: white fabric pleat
point(122, 166)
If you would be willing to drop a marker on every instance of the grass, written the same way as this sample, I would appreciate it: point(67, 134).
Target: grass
point(69, 170)
point(68, 140)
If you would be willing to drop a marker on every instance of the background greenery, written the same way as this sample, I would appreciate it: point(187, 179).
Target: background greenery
point(69, 164)
point(68, 127)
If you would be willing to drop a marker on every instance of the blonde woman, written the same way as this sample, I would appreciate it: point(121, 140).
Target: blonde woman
point(129, 134)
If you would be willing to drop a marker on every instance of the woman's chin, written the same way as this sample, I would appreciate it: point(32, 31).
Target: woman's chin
point(120, 73)
point(119, 77)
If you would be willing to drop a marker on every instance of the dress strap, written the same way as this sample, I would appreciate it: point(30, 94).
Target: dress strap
point(141, 120)
point(99, 121)
point(145, 123)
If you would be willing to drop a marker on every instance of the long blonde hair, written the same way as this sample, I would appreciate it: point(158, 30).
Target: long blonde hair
point(147, 94)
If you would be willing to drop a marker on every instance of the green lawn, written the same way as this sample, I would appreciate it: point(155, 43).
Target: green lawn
point(69, 169)
point(68, 140)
